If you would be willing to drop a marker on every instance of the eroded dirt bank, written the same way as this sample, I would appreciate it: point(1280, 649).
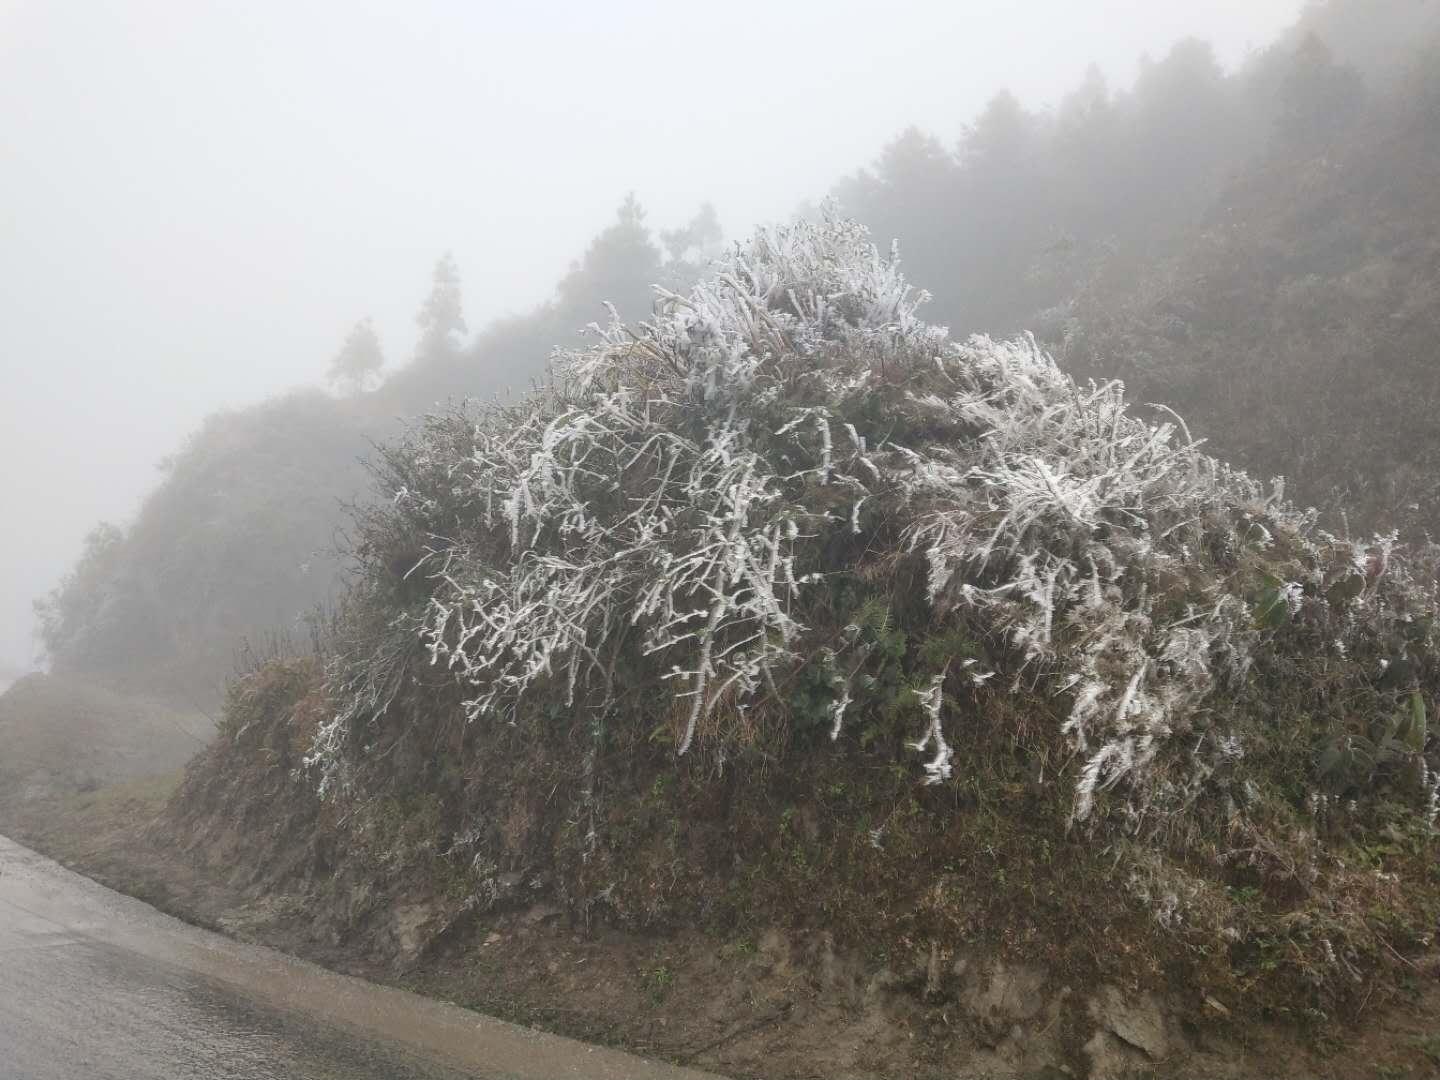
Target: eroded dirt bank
point(254, 856)
point(775, 1006)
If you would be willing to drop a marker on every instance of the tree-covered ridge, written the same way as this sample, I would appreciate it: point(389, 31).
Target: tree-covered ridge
point(1254, 247)
point(242, 538)
point(1026, 205)
point(1296, 324)
point(1031, 206)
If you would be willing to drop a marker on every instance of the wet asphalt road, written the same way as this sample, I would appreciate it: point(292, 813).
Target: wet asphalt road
point(98, 985)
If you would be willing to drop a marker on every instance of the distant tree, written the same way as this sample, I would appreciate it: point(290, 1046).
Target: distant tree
point(1187, 131)
point(909, 196)
point(359, 359)
point(1004, 208)
point(620, 266)
point(73, 617)
point(1379, 38)
point(1084, 105)
point(1189, 74)
point(697, 239)
point(1317, 96)
point(916, 163)
point(442, 316)
point(1001, 138)
point(1087, 141)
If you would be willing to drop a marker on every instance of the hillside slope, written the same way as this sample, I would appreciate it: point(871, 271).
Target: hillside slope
point(1254, 247)
point(240, 543)
point(790, 620)
point(1297, 327)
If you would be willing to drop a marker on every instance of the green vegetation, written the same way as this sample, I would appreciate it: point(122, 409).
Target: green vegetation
point(1065, 691)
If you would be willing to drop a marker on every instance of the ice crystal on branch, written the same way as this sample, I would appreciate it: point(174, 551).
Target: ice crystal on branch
point(675, 501)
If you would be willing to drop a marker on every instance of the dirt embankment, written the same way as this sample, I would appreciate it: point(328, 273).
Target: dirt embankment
point(243, 845)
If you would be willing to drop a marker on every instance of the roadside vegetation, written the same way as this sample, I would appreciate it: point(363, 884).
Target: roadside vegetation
point(785, 609)
point(937, 653)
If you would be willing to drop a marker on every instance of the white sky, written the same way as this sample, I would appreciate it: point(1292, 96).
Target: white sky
point(198, 198)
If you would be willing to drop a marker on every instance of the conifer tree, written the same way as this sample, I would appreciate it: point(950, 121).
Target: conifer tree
point(442, 316)
point(359, 359)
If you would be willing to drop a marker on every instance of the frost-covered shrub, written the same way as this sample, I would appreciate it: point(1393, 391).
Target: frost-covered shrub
point(677, 502)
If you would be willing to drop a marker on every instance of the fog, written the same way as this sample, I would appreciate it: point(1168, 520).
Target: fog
point(200, 199)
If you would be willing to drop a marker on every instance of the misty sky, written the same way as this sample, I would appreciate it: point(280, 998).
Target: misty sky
point(198, 198)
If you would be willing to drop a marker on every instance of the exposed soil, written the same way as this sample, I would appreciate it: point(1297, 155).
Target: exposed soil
point(783, 1000)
